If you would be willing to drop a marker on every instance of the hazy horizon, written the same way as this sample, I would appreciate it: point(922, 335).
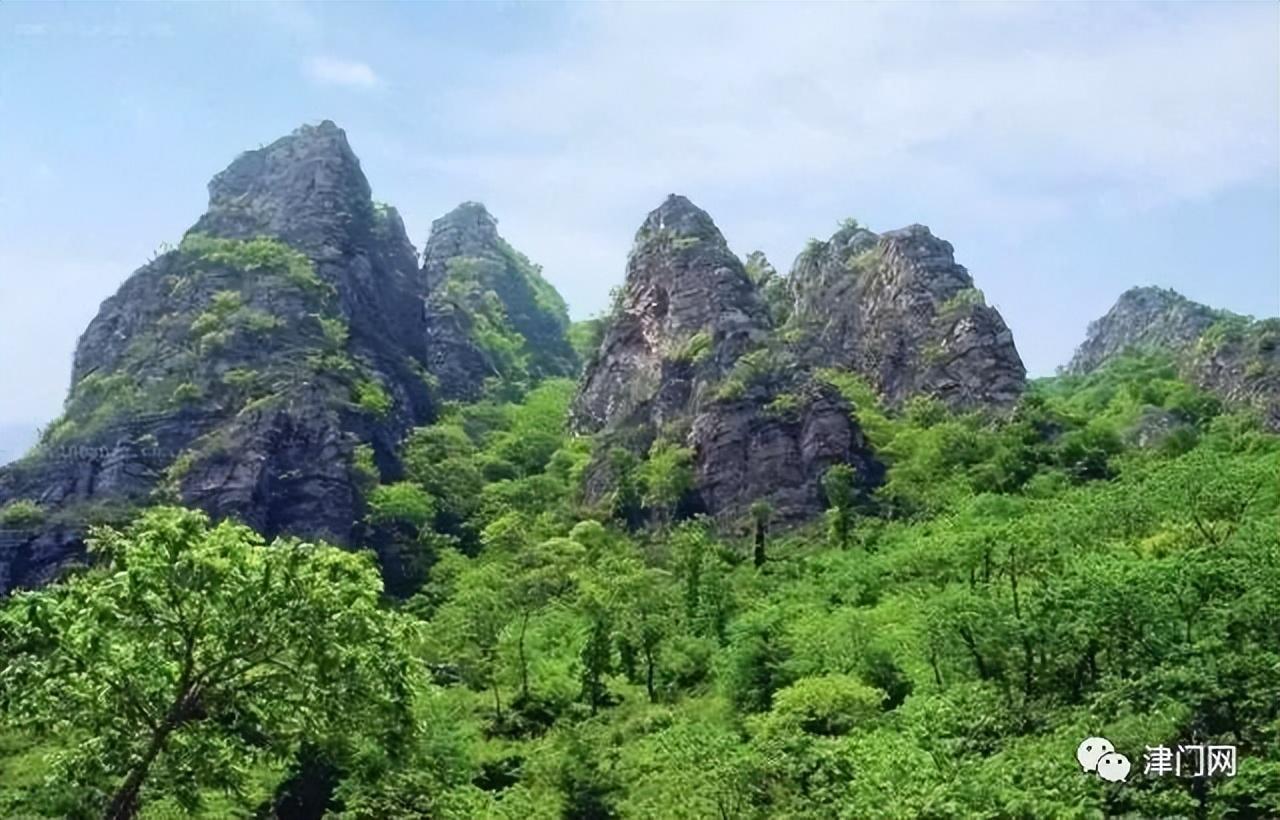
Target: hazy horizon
point(1102, 147)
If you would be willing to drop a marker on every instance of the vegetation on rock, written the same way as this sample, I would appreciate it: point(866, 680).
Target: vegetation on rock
point(1012, 586)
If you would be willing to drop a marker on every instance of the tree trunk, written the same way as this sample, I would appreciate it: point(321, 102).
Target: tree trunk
point(497, 700)
point(759, 556)
point(124, 804)
point(648, 677)
point(524, 663)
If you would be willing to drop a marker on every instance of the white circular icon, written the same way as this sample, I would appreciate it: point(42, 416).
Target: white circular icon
point(1113, 767)
point(1090, 750)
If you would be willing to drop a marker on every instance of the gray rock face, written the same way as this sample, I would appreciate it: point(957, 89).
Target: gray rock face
point(227, 375)
point(476, 281)
point(1231, 356)
point(240, 372)
point(746, 453)
point(468, 231)
point(239, 375)
point(688, 314)
point(897, 309)
point(1156, 426)
point(288, 470)
point(1242, 367)
point(306, 188)
point(682, 282)
point(1142, 319)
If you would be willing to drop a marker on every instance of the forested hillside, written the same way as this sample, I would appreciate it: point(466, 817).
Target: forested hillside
point(937, 649)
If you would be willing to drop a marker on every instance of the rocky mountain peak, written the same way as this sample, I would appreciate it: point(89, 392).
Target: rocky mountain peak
point(489, 311)
point(897, 309)
point(274, 359)
point(678, 216)
point(918, 260)
point(469, 230)
point(684, 288)
point(1143, 317)
point(688, 356)
point(306, 188)
point(1235, 357)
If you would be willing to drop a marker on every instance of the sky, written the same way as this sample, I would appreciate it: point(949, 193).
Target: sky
point(1068, 151)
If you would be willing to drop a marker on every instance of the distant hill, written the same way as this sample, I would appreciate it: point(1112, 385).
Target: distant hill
point(1235, 357)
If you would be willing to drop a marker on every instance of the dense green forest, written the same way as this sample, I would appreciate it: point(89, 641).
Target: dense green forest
point(937, 648)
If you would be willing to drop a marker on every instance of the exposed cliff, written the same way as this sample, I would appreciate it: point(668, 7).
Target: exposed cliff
point(1232, 356)
point(898, 310)
point(687, 313)
point(269, 366)
point(726, 358)
point(490, 313)
point(1142, 319)
point(685, 356)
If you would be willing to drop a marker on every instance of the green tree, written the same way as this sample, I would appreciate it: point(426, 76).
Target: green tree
point(761, 512)
point(839, 485)
point(597, 652)
point(667, 476)
point(401, 503)
point(193, 649)
point(644, 618)
point(542, 574)
point(626, 500)
point(756, 664)
point(467, 627)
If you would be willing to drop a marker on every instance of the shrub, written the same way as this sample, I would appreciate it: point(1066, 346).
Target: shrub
point(364, 468)
point(372, 397)
point(863, 261)
point(784, 406)
point(240, 379)
point(257, 321)
point(827, 705)
point(403, 502)
point(335, 363)
point(21, 513)
point(261, 253)
point(226, 314)
point(335, 332)
point(962, 299)
point(752, 369)
point(187, 393)
point(217, 315)
point(695, 350)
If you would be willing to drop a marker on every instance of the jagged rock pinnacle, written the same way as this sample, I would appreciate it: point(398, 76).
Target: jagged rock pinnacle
point(468, 230)
point(1143, 317)
point(306, 188)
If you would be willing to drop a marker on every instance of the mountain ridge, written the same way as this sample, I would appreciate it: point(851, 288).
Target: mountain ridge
point(266, 369)
point(271, 367)
point(1234, 357)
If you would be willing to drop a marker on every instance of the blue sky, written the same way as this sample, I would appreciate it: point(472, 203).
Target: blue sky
point(1067, 151)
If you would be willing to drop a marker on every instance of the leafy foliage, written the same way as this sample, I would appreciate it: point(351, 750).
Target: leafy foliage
point(258, 254)
point(935, 648)
point(372, 397)
point(21, 513)
point(191, 651)
point(516, 318)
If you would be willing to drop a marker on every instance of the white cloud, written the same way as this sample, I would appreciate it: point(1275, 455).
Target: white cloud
point(1162, 109)
point(983, 119)
point(335, 71)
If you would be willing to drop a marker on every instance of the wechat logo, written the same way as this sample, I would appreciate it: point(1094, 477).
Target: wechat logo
point(1099, 756)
